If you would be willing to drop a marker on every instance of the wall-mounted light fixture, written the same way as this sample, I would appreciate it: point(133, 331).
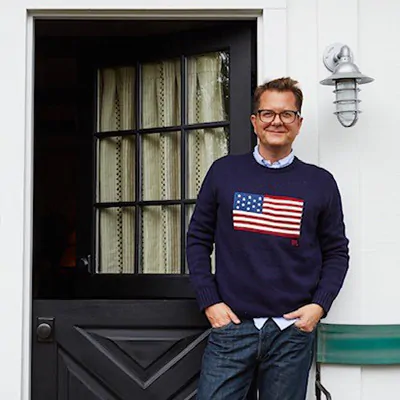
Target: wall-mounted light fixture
point(346, 77)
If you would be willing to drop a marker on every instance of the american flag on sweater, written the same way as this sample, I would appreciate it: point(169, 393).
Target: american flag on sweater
point(271, 215)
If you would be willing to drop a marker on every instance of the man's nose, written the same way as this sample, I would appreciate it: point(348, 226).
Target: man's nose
point(276, 120)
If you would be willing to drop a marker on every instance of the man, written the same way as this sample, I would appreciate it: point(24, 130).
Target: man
point(281, 256)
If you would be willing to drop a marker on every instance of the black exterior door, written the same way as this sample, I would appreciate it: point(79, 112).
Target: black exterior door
point(122, 322)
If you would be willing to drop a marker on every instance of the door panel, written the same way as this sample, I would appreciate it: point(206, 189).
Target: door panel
point(147, 349)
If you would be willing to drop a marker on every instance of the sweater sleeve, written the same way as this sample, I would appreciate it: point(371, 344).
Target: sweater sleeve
point(334, 249)
point(200, 241)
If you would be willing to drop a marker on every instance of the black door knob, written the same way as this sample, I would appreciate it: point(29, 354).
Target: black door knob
point(43, 331)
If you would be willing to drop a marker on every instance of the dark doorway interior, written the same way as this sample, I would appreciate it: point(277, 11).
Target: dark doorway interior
point(58, 143)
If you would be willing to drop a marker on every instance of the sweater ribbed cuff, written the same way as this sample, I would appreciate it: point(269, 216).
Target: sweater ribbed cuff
point(324, 299)
point(208, 296)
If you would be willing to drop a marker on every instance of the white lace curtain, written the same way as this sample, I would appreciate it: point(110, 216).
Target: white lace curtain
point(160, 246)
point(116, 172)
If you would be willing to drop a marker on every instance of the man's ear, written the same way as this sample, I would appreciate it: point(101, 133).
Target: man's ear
point(300, 122)
point(253, 120)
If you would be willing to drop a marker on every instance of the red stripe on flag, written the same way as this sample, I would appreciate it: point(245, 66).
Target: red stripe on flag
point(264, 222)
point(283, 217)
point(269, 233)
point(283, 198)
point(284, 213)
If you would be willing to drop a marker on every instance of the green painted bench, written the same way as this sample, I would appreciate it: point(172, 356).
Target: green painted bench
point(355, 345)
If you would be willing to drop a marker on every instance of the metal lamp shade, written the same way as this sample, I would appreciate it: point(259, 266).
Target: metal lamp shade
point(346, 70)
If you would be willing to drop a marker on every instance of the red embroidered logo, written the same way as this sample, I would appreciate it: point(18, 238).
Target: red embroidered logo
point(295, 242)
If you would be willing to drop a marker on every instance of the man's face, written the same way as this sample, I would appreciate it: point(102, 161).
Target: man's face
point(275, 135)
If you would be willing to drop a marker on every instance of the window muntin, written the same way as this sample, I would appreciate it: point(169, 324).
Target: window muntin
point(160, 126)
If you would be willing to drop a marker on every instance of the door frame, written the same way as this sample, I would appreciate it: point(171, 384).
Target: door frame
point(271, 63)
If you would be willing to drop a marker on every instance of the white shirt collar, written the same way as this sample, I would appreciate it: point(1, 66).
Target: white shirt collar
point(283, 162)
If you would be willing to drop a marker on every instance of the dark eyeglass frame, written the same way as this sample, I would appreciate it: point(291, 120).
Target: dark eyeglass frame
point(295, 114)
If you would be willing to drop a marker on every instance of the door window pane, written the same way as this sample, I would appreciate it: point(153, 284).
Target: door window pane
point(161, 240)
point(208, 87)
point(161, 166)
point(116, 96)
point(161, 93)
point(116, 169)
point(116, 240)
point(159, 174)
point(204, 146)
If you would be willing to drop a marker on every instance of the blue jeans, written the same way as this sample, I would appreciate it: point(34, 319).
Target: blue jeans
point(235, 352)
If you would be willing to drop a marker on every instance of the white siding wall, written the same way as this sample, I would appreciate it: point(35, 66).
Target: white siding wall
point(363, 159)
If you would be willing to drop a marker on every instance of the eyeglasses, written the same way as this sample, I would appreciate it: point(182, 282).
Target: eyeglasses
point(287, 116)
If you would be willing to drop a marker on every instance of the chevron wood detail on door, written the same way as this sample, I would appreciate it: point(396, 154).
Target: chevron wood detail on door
point(74, 382)
point(144, 355)
point(114, 352)
point(140, 357)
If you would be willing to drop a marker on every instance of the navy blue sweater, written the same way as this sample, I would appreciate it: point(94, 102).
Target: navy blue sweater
point(279, 237)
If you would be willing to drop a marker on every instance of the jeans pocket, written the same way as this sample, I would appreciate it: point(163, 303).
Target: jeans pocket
point(222, 328)
point(297, 329)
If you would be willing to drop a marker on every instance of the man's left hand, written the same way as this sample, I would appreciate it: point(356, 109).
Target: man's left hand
point(308, 316)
